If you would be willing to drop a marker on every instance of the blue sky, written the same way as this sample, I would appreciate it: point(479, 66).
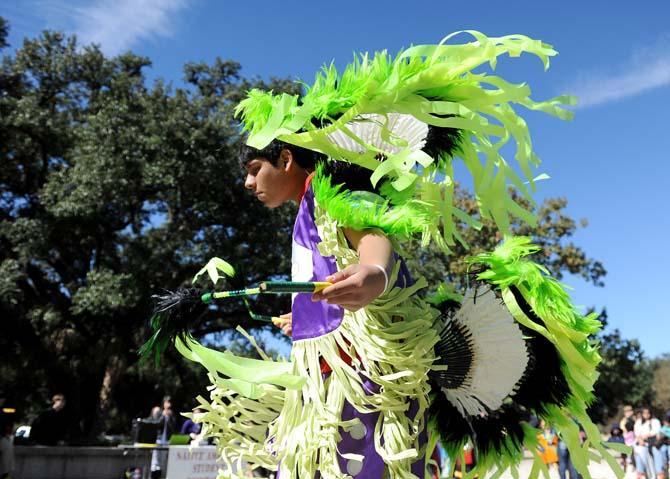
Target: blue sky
point(612, 162)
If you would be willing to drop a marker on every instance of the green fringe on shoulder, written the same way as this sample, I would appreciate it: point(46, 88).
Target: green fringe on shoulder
point(361, 210)
point(397, 215)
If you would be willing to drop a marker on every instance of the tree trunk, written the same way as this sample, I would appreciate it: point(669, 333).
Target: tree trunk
point(115, 367)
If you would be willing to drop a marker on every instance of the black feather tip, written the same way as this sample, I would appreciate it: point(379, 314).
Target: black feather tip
point(442, 142)
point(174, 313)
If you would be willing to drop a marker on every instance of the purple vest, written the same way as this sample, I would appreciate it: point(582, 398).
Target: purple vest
point(310, 319)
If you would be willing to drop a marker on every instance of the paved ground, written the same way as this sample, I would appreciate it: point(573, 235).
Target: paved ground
point(598, 471)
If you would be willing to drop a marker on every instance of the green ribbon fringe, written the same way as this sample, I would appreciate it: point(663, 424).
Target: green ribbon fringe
point(437, 85)
point(362, 210)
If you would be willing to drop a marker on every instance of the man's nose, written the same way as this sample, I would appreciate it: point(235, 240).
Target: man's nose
point(250, 182)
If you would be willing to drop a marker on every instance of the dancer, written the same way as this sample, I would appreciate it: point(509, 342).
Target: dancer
point(377, 374)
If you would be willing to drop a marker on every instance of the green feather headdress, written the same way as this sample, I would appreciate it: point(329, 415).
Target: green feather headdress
point(436, 85)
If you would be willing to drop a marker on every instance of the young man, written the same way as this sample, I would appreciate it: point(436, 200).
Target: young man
point(281, 173)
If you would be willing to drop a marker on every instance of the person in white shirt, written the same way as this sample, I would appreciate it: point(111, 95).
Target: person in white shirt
point(649, 456)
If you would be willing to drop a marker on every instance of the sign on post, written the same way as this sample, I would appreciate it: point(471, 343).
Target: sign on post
point(197, 462)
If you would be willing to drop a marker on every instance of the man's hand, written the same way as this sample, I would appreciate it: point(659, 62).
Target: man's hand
point(355, 287)
point(285, 323)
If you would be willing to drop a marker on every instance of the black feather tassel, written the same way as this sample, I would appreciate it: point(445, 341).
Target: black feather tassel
point(441, 141)
point(173, 316)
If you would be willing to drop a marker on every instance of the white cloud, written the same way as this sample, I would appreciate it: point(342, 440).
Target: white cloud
point(646, 69)
point(115, 25)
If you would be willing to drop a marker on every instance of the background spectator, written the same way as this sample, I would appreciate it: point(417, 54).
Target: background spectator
point(547, 445)
point(629, 438)
point(616, 435)
point(192, 429)
point(167, 425)
point(628, 415)
point(6, 445)
point(52, 425)
point(665, 428)
point(650, 457)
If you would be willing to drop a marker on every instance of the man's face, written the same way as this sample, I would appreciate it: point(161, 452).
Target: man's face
point(58, 402)
point(267, 182)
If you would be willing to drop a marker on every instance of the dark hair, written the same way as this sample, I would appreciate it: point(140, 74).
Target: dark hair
point(354, 177)
point(305, 158)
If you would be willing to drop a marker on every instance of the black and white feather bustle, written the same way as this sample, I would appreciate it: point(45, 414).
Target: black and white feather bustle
point(484, 352)
point(498, 372)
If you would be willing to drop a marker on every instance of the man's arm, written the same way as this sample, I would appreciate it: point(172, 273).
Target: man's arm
point(358, 285)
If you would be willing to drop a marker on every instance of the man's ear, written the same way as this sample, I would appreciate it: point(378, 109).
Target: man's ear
point(285, 159)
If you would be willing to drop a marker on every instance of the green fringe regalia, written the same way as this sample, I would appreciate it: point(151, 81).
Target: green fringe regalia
point(475, 366)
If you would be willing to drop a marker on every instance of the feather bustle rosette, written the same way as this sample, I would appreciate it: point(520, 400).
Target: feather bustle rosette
point(515, 346)
point(497, 353)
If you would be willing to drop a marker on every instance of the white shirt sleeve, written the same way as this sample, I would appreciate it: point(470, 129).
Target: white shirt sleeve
point(655, 427)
